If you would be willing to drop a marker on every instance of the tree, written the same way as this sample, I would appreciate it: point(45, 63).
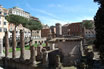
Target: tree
point(33, 25)
point(28, 23)
point(99, 28)
point(16, 19)
point(88, 24)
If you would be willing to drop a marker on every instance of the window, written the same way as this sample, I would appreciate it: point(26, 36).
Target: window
point(4, 23)
point(5, 29)
point(37, 31)
point(0, 12)
point(0, 29)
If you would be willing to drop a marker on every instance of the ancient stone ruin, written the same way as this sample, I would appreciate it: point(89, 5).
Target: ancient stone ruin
point(62, 52)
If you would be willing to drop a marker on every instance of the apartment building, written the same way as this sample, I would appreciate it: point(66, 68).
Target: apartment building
point(65, 30)
point(76, 29)
point(36, 34)
point(19, 11)
point(27, 32)
point(3, 26)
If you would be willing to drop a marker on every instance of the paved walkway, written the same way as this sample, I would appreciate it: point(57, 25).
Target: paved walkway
point(27, 54)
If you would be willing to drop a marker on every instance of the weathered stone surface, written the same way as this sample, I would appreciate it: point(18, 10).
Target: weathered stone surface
point(14, 44)
point(39, 53)
point(58, 63)
point(6, 44)
point(22, 45)
point(45, 58)
point(32, 58)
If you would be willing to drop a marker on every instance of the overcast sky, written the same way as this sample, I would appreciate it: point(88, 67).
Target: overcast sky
point(56, 11)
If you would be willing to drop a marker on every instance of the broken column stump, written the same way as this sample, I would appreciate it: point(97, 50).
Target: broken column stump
point(32, 58)
point(45, 58)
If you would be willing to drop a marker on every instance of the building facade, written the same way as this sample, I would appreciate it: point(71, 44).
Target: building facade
point(19, 11)
point(76, 29)
point(45, 33)
point(53, 31)
point(3, 26)
point(36, 34)
point(89, 33)
point(35, 18)
point(58, 30)
point(27, 32)
point(65, 30)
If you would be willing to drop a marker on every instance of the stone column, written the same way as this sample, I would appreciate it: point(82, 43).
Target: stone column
point(32, 58)
point(6, 44)
point(1, 47)
point(39, 53)
point(22, 44)
point(53, 46)
point(81, 48)
point(45, 58)
point(14, 44)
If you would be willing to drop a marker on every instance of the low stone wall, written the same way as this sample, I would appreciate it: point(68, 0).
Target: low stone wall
point(17, 64)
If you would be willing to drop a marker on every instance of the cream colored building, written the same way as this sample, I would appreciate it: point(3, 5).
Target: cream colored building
point(3, 26)
point(19, 11)
point(89, 33)
point(27, 32)
point(36, 34)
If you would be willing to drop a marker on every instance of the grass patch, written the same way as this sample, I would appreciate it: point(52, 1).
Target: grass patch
point(44, 44)
point(26, 47)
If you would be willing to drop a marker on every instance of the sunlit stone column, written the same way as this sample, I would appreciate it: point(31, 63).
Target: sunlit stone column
point(6, 44)
point(52, 46)
point(14, 44)
point(45, 58)
point(32, 58)
point(1, 47)
point(22, 44)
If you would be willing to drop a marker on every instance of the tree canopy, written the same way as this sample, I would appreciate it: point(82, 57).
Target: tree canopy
point(16, 19)
point(33, 25)
point(99, 1)
point(88, 24)
point(99, 28)
point(28, 23)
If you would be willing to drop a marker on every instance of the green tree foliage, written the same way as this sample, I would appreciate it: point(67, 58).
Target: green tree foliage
point(16, 19)
point(33, 25)
point(28, 23)
point(88, 24)
point(99, 1)
point(99, 27)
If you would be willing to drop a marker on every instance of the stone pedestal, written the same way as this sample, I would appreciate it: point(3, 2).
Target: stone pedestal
point(39, 53)
point(45, 59)
point(32, 58)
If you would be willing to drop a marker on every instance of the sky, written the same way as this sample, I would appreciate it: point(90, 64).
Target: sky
point(56, 11)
